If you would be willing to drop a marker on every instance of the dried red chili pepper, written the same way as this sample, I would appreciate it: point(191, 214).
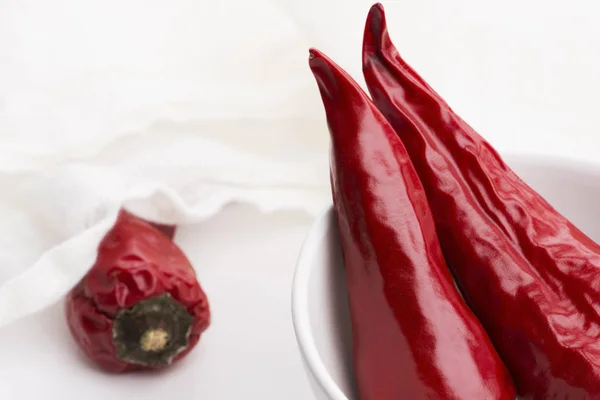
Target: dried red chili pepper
point(168, 230)
point(530, 276)
point(414, 336)
point(140, 306)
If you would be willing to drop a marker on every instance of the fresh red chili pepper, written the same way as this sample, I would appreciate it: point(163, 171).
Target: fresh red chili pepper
point(530, 276)
point(414, 336)
point(140, 306)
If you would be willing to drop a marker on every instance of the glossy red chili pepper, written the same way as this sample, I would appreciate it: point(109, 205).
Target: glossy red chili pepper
point(414, 336)
point(530, 276)
point(140, 306)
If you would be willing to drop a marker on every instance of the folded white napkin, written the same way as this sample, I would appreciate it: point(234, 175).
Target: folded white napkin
point(171, 109)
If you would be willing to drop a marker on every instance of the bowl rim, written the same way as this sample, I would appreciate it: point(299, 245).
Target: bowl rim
point(300, 314)
point(317, 233)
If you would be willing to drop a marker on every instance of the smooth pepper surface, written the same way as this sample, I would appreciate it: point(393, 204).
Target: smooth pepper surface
point(531, 277)
point(413, 335)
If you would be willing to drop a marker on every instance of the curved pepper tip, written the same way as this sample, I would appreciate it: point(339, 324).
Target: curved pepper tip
point(324, 71)
point(328, 75)
point(377, 43)
point(377, 7)
point(314, 54)
point(376, 36)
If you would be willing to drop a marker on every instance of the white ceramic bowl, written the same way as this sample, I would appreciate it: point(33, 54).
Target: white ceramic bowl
point(319, 298)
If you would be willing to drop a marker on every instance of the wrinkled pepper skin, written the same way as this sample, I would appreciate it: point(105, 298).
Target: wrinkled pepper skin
point(168, 230)
point(135, 262)
point(414, 336)
point(530, 276)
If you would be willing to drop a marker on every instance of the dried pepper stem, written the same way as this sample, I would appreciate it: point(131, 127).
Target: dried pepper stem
point(152, 332)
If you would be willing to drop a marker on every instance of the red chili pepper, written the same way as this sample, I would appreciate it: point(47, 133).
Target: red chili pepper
point(414, 336)
point(168, 230)
point(530, 276)
point(140, 306)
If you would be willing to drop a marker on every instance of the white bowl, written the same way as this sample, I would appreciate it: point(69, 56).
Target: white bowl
point(319, 296)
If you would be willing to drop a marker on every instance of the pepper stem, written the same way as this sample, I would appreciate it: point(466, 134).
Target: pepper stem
point(152, 332)
point(154, 340)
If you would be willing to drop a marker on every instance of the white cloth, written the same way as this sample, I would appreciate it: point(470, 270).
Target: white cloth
point(175, 108)
point(170, 108)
